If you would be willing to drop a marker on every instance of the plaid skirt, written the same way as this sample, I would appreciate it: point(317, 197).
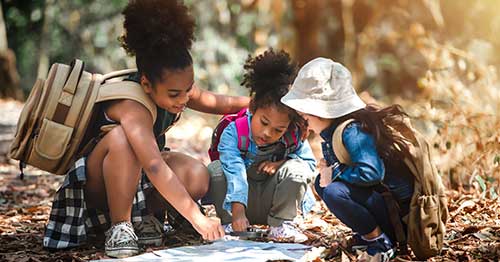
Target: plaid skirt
point(72, 223)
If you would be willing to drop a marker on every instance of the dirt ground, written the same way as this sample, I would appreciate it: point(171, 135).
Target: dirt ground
point(473, 229)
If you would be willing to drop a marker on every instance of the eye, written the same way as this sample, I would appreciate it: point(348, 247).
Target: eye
point(173, 94)
point(279, 130)
point(263, 123)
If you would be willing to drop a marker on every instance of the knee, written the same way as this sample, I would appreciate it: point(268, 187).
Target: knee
point(199, 176)
point(295, 171)
point(216, 173)
point(118, 139)
point(335, 193)
point(119, 149)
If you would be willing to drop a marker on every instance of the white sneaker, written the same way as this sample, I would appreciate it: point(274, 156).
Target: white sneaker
point(149, 231)
point(121, 241)
point(288, 231)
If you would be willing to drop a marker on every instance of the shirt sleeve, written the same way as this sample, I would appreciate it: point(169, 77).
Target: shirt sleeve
point(233, 167)
point(305, 153)
point(367, 167)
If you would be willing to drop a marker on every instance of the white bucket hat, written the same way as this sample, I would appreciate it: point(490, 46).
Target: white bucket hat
point(323, 88)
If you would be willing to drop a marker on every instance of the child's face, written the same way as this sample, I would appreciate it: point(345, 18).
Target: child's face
point(268, 125)
point(174, 91)
point(314, 123)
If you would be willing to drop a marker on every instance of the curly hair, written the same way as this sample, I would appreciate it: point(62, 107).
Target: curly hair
point(269, 76)
point(160, 34)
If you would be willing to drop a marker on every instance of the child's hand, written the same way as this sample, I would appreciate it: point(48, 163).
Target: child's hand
point(240, 221)
point(209, 227)
point(325, 173)
point(269, 167)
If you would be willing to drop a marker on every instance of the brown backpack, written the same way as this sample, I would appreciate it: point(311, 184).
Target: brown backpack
point(59, 109)
point(426, 220)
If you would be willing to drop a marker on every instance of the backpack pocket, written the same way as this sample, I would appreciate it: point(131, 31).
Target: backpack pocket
point(425, 226)
point(26, 122)
point(52, 140)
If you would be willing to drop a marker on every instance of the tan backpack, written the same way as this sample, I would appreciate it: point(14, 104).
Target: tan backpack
point(59, 110)
point(426, 220)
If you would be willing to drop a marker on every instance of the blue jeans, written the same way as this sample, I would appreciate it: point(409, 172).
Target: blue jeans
point(360, 208)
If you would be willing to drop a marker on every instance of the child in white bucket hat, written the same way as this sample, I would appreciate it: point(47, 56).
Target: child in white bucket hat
point(324, 96)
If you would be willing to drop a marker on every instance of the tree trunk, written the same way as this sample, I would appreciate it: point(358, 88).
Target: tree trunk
point(349, 32)
point(43, 59)
point(9, 79)
point(307, 23)
point(3, 32)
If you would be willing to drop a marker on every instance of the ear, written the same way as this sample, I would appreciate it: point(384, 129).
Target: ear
point(146, 85)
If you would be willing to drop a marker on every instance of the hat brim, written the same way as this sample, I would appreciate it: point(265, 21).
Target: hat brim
point(322, 108)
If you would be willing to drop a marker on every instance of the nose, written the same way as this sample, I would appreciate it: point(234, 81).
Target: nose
point(266, 133)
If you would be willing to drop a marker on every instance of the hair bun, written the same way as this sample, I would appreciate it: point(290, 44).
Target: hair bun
point(269, 72)
point(156, 25)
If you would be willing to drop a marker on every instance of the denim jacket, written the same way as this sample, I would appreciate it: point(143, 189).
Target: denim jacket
point(368, 168)
point(235, 165)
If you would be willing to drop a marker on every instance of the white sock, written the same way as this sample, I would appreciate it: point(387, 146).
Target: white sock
point(374, 239)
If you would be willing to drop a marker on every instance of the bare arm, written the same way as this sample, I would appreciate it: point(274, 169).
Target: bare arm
point(210, 102)
point(137, 123)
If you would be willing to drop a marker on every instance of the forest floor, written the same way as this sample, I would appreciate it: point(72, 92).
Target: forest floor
point(473, 230)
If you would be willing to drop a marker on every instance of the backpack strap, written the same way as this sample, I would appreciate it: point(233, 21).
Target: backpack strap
point(290, 138)
point(76, 71)
point(243, 131)
point(127, 90)
point(393, 210)
point(119, 73)
point(68, 92)
point(338, 144)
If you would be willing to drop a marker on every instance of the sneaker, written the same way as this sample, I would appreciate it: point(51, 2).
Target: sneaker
point(228, 228)
point(121, 241)
point(149, 231)
point(357, 243)
point(382, 246)
point(179, 223)
point(287, 231)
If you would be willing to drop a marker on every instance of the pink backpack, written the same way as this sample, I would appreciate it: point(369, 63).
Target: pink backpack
point(241, 121)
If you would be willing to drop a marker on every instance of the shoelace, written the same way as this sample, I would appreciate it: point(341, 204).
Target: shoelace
point(150, 225)
point(122, 233)
point(289, 229)
point(285, 230)
point(228, 228)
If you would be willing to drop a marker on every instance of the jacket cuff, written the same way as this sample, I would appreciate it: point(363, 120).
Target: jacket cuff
point(243, 199)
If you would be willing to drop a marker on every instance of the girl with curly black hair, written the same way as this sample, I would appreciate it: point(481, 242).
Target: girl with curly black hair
point(127, 168)
point(265, 181)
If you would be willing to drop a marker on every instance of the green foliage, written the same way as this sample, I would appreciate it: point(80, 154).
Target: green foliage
point(84, 29)
point(88, 29)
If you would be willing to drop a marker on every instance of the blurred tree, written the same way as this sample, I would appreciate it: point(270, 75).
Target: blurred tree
point(44, 32)
point(43, 60)
point(9, 79)
point(308, 20)
point(374, 38)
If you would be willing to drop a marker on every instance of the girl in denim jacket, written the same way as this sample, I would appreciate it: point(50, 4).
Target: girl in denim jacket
point(323, 94)
point(266, 184)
